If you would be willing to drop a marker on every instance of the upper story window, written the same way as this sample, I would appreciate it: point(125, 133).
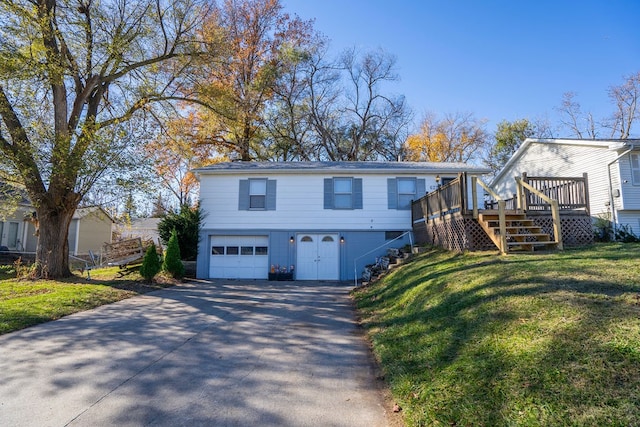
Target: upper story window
point(401, 191)
point(406, 192)
point(257, 194)
point(635, 168)
point(343, 193)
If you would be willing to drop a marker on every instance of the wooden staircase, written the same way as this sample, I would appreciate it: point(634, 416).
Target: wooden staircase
point(522, 234)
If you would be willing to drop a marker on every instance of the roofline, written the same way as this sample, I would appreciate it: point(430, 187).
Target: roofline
point(609, 144)
point(335, 168)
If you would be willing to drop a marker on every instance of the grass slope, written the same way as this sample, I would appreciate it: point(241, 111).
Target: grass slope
point(25, 303)
point(523, 340)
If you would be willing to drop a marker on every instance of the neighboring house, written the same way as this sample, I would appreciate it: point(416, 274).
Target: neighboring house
point(90, 228)
point(145, 228)
point(16, 233)
point(326, 219)
point(612, 168)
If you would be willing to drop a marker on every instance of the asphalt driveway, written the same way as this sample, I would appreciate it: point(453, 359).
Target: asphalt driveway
point(219, 353)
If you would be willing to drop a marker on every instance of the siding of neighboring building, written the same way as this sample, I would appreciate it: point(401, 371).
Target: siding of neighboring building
point(549, 159)
point(89, 230)
point(572, 158)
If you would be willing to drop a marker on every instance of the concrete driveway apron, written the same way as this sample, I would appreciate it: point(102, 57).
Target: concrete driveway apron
point(219, 353)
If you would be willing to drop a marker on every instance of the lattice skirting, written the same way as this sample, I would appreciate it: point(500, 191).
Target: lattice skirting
point(454, 233)
point(461, 232)
point(577, 230)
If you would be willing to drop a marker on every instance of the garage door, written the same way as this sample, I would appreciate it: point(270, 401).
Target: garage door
point(239, 257)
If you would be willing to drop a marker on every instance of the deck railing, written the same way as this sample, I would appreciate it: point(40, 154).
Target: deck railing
point(571, 193)
point(444, 200)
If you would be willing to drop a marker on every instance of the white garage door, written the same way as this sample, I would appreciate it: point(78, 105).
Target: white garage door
point(239, 257)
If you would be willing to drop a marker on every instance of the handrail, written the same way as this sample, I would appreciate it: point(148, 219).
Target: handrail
point(502, 216)
point(555, 209)
point(355, 260)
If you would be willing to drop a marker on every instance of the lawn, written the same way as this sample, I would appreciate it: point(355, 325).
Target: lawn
point(478, 339)
point(25, 303)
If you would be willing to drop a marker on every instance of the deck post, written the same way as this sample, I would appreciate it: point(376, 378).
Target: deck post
point(557, 225)
point(474, 196)
point(502, 218)
point(586, 193)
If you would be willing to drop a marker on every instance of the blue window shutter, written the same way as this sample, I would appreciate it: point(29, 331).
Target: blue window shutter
point(243, 196)
point(271, 195)
point(421, 188)
point(357, 193)
point(328, 193)
point(392, 193)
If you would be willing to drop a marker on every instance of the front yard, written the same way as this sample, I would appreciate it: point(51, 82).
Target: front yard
point(520, 340)
point(25, 303)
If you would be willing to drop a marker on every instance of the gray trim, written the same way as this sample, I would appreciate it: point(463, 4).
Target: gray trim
point(421, 188)
point(271, 195)
point(243, 195)
point(357, 193)
point(328, 193)
point(392, 193)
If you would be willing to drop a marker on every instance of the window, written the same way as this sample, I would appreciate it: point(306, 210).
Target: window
point(391, 235)
point(406, 192)
point(232, 250)
point(635, 168)
point(342, 191)
point(257, 193)
point(306, 239)
point(401, 191)
point(261, 250)
point(217, 250)
point(327, 239)
point(246, 250)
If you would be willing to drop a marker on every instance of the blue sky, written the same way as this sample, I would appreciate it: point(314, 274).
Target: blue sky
point(500, 60)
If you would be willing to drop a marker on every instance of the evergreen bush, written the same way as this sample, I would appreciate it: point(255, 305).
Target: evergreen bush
point(150, 264)
point(187, 224)
point(172, 262)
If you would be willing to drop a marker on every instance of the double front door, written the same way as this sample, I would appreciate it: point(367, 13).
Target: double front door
point(318, 256)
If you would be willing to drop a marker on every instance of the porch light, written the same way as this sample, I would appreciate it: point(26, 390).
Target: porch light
point(291, 239)
point(341, 239)
point(438, 180)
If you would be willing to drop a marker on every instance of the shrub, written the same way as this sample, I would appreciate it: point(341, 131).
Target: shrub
point(172, 263)
point(150, 264)
point(187, 226)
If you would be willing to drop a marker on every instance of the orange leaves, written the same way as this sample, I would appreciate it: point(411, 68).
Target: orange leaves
point(454, 138)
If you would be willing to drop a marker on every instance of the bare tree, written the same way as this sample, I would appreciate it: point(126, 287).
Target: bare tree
point(625, 99)
point(582, 125)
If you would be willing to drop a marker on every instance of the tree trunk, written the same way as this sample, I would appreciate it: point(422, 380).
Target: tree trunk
point(52, 254)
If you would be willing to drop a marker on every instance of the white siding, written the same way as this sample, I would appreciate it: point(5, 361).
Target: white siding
point(300, 204)
point(630, 219)
point(548, 159)
point(630, 193)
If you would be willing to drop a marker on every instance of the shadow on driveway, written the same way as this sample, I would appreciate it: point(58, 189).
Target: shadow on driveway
point(218, 353)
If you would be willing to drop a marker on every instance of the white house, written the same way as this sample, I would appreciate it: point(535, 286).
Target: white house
point(612, 168)
point(327, 220)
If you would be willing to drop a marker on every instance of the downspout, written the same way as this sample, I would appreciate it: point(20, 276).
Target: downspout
point(611, 199)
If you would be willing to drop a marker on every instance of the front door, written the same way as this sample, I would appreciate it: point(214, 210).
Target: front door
point(318, 257)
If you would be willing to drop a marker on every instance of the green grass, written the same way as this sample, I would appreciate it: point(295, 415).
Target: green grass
point(25, 303)
point(477, 339)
